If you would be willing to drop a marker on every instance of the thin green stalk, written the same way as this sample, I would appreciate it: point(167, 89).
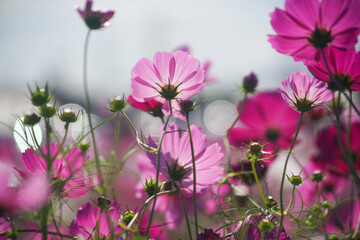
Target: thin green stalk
point(283, 176)
point(257, 180)
point(158, 170)
point(88, 111)
point(40, 231)
point(194, 174)
point(143, 207)
point(185, 212)
point(291, 200)
point(226, 141)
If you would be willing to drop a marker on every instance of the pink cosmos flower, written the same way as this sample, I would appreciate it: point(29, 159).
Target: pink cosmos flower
point(205, 65)
point(95, 18)
point(254, 233)
point(152, 106)
point(176, 164)
point(303, 93)
point(307, 26)
point(329, 157)
point(208, 234)
point(169, 77)
point(22, 198)
point(168, 204)
point(67, 172)
point(268, 117)
point(87, 217)
point(345, 65)
point(5, 226)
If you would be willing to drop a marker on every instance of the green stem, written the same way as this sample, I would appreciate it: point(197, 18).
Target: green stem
point(157, 171)
point(291, 200)
point(226, 141)
point(40, 231)
point(143, 207)
point(283, 176)
point(252, 161)
point(194, 174)
point(342, 148)
point(185, 212)
point(88, 111)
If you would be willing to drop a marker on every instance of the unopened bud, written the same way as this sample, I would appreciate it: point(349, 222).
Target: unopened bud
point(40, 97)
point(187, 106)
point(68, 116)
point(84, 146)
point(103, 202)
point(250, 82)
point(128, 216)
point(31, 119)
point(317, 176)
point(270, 202)
point(118, 104)
point(150, 187)
point(266, 225)
point(296, 180)
point(47, 111)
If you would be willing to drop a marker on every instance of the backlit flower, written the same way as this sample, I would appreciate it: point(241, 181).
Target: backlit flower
point(152, 106)
point(21, 197)
point(176, 164)
point(170, 77)
point(307, 26)
point(87, 217)
point(95, 18)
point(304, 93)
point(262, 120)
point(344, 65)
point(67, 172)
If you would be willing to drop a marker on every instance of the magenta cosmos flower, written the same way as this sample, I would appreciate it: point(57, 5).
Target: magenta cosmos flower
point(344, 65)
point(307, 26)
point(87, 217)
point(95, 18)
point(176, 164)
point(67, 172)
point(254, 232)
point(170, 77)
point(21, 197)
point(303, 93)
point(168, 204)
point(267, 117)
point(152, 106)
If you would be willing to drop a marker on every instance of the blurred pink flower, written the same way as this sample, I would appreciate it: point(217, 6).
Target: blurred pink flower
point(176, 164)
point(95, 18)
point(208, 234)
point(267, 116)
point(329, 157)
point(22, 198)
point(5, 226)
point(152, 106)
point(303, 93)
point(169, 77)
point(67, 171)
point(345, 65)
point(307, 26)
point(87, 217)
point(254, 233)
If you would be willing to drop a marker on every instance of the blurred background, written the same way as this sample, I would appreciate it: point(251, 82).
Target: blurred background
point(42, 41)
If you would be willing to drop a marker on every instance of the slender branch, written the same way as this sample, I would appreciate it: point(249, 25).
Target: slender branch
point(257, 180)
point(283, 177)
point(88, 111)
point(194, 174)
point(185, 212)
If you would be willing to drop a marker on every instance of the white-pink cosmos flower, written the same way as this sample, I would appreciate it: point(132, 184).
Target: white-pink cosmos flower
point(304, 93)
point(170, 77)
point(176, 159)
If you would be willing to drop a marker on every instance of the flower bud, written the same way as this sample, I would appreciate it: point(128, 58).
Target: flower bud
point(31, 119)
point(326, 204)
point(250, 82)
point(317, 176)
point(103, 202)
point(47, 111)
point(266, 225)
point(128, 216)
point(150, 187)
point(84, 146)
point(187, 106)
point(40, 96)
point(296, 180)
point(68, 116)
point(118, 104)
point(270, 202)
